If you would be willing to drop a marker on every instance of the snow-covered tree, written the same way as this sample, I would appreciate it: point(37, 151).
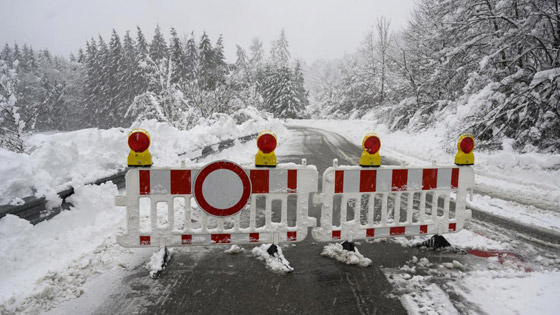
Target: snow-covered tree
point(12, 124)
point(280, 53)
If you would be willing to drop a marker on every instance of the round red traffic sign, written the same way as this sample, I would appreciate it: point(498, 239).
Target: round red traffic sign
point(222, 188)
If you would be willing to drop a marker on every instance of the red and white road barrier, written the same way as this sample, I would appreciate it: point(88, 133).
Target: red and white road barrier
point(220, 203)
point(365, 203)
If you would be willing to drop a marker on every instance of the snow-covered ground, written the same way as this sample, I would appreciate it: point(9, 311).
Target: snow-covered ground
point(53, 261)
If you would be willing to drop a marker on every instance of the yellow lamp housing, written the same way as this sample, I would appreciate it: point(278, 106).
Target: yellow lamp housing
point(266, 142)
point(370, 156)
point(465, 147)
point(139, 142)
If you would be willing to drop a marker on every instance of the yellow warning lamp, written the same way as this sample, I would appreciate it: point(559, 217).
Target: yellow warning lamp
point(465, 146)
point(139, 141)
point(266, 142)
point(370, 156)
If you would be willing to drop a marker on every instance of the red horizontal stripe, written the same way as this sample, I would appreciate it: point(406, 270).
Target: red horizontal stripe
point(397, 230)
point(452, 226)
point(221, 238)
point(253, 237)
point(292, 236)
point(144, 240)
point(336, 235)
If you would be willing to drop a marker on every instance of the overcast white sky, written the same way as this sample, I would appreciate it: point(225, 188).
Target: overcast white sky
point(316, 29)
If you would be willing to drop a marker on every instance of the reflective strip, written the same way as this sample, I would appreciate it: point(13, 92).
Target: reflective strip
point(259, 181)
point(144, 240)
point(253, 237)
point(368, 180)
point(292, 236)
point(397, 230)
point(144, 182)
point(429, 178)
point(292, 181)
point(399, 180)
point(338, 182)
point(336, 235)
point(455, 178)
point(221, 238)
point(180, 182)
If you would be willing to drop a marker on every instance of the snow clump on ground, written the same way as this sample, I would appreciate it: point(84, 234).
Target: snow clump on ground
point(336, 251)
point(277, 263)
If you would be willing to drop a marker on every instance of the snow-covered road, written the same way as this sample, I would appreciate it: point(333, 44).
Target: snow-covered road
point(103, 278)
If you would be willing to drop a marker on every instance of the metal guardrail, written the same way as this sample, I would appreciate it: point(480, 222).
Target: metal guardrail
point(34, 209)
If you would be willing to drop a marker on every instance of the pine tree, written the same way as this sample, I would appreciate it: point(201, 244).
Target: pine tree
point(158, 47)
point(280, 93)
point(178, 58)
point(207, 65)
point(141, 44)
point(191, 59)
point(116, 81)
point(299, 84)
point(279, 52)
point(221, 68)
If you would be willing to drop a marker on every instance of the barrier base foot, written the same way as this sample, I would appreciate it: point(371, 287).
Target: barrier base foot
point(349, 246)
point(272, 250)
point(159, 261)
point(436, 241)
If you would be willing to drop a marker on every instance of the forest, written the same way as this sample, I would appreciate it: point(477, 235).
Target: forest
point(488, 67)
point(109, 84)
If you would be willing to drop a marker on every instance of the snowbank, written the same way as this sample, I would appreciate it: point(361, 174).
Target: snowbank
point(47, 263)
point(75, 158)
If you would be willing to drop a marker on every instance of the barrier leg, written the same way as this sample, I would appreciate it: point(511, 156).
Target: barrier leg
point(435, 242)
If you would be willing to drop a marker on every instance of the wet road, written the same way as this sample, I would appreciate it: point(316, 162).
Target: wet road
point(204, 280)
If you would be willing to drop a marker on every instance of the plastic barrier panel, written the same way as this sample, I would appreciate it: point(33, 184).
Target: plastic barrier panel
point(366, 203)
point(220, 203)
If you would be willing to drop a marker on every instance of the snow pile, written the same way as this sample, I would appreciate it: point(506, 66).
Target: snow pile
point(234, 249)
point(336, 251)
point(277, 263)
point(75, 158)
point(45, 264)
point(463, 239)
point(158, 261)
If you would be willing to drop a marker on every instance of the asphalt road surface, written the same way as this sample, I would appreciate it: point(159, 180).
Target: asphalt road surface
point(204, 280)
